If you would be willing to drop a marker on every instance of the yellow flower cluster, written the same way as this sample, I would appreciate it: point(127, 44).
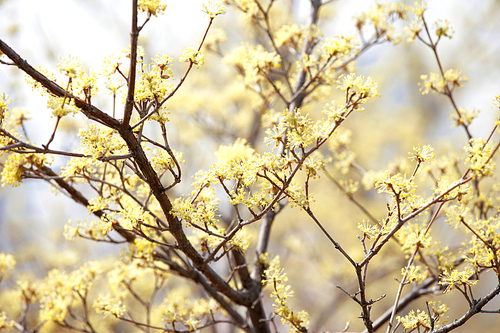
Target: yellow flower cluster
point(152, 7)
point(4, 110)
point(443, 29)
point(5, 322)
point(422, 320)
point(96, 230)
point(381, 18)
point(192, 55)
point(422, 154)
point(248, 9)
point(59, 290)
point(109, 305)
point(162, 161)
point(212, 10)
point(178, 307)
point(414, 274)
point(80, 83)
point(292, 35)
point(442, 84)
point(452, 279)
point(479, 160)
point(7, 262)
point(16, 164)
point(413, 321)
point(155, 81)
point(61, 106)
point(275, 276)
point(99, 141)
point(254, 61)
point(202, 210)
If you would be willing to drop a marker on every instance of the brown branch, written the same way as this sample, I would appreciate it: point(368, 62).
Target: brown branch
point(475, 308)
point(134, 35)
point(88, 110)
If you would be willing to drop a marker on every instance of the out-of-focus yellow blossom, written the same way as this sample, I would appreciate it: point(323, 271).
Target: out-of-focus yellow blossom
point(59, 290)
point(5, 322)
point(443, 29)
point(248, 8)
point(177, 306)
point(338, 46)
point(4, 110)
point(292, 35)
point(442, 85)
point(7, 262)
point(215, 37)
point(254, 61)
point(109, 305)
point(17, 116)
point(464, 117)
point(381, 18)
point(96, 230)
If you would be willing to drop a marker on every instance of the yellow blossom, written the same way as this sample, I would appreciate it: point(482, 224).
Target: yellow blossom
point(453, 278)
point(479, 161)
point(443, 29)
point(70, 66)
point(7, 262)
point(212, 10)
point(422, 154)
point(192, 55)
point(152, 7)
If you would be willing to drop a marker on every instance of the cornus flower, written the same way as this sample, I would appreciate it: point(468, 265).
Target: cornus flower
point(463, 117)
point(358, 89)
point(152, 7)
point(479, 161)
point(4, 110)
point(275, 276)
point(61, 106)
point(255, 62)
point(422, 154)
point(415, 320)
point(443, 29)
point(452, 279)
point(191, 54)
point(70, 66)
point(441, 85)
point(7, 262)
point(212, 10)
